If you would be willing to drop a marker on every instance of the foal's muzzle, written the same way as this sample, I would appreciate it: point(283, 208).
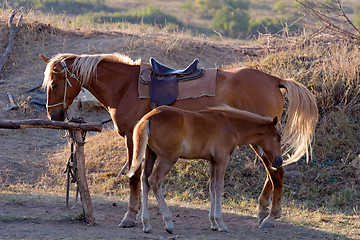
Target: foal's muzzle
point(278, 161)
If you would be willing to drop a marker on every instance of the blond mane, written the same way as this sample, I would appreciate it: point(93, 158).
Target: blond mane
point(84, 66)
point(246, 114)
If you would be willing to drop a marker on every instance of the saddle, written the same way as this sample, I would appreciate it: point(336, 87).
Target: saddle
point(164, 80)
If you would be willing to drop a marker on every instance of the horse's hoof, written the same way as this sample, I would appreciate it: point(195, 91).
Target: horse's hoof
point(263, 214)
point(170, 230)
point(267, 225)
point(125, 223)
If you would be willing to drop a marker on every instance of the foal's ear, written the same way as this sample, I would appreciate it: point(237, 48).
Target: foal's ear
point(275, 121)
point(44, 58)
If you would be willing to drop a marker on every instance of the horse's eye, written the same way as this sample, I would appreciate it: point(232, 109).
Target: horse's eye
point(53, 86)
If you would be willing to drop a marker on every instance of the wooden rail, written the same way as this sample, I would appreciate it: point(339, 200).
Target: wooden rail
point(40, 123)
point(76, 129)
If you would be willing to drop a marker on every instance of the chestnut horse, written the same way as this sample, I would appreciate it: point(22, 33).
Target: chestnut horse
point(210, 134)
point(113, 80)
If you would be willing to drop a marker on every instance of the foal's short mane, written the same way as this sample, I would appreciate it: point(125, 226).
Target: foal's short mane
point(84, 66)
point(246, 114)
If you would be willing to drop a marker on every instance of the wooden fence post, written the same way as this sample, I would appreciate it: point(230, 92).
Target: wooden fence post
point(81, 170)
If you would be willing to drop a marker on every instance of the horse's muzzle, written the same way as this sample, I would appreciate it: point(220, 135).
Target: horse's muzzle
point(57, 115)
point(278, 161)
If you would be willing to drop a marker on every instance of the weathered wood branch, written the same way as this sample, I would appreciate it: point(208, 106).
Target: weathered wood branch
point(13, 31)
point(314, 9)
point(40, 123)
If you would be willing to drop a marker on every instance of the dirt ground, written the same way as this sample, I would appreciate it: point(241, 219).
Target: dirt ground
point(23, 152)
point(41, 217)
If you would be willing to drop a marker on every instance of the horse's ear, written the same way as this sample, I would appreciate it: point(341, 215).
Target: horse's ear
point(275, 121)
point(44, 58)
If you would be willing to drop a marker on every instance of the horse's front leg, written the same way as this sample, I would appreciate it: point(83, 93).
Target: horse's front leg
point(134, 185)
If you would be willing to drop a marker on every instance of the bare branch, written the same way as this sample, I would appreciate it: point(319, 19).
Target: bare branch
point(331, 17)
point(13, 31)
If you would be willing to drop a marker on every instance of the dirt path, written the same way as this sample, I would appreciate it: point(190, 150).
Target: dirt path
point(40, 217)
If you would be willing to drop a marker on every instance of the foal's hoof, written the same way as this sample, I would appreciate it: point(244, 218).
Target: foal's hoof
point(125, 223)
point(224, 230)
point(147, 230)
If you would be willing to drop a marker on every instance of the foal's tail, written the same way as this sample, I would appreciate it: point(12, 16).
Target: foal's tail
point(301, 119)
point(140, 139)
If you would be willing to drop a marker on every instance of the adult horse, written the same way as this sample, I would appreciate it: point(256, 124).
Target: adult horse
point(113, 80)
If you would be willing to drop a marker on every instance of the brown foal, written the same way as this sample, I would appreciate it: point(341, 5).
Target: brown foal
point(210, 134)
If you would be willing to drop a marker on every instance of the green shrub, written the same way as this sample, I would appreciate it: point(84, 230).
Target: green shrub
point(238, 4)
point(149, 15)
point(60, 6)
point(231, 22)
point(264, 25)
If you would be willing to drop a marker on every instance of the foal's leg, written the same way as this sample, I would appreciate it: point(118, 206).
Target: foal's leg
point(163, 167)
point(214, 225)
point(276, 177)
point(145, 216)
point(218, 169)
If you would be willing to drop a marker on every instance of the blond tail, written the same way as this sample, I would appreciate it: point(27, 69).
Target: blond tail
point(140, 138)
point(301, 119)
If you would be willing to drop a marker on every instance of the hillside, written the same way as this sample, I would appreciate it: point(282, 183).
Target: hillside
point(321, 199)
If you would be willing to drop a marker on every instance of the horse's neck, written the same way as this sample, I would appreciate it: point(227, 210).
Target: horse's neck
point(112, 85)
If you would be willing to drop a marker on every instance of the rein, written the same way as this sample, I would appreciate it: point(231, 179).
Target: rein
point(67, 82)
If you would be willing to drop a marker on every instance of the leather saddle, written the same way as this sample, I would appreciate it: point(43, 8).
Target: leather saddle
point(164, 80)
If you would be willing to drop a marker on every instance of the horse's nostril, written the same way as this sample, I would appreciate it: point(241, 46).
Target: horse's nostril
point(57, 115)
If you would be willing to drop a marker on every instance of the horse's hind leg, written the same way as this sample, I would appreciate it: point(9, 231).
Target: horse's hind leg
point(155, 180)
point(276, 181)
point(264, 200)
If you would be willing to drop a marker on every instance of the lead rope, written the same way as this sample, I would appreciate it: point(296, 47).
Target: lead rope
point(71, 167)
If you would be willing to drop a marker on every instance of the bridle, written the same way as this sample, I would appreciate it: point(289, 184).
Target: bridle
point(67, 82)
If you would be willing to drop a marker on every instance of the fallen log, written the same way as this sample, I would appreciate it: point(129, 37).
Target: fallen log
point(40, 123)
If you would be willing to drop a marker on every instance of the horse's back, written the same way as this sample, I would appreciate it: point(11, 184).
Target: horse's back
point(252, 90)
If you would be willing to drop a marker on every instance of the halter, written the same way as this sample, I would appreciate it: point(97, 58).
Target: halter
point(67, 82)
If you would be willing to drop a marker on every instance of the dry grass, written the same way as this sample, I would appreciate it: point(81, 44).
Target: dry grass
point(324, 194)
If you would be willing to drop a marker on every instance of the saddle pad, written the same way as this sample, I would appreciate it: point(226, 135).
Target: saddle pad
point(203, 86)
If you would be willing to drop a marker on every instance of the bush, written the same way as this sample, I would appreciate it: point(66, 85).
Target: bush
point(60, 6)
point(149, 15)
point(230, 21)
point(238, 4)
point(264, 25)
